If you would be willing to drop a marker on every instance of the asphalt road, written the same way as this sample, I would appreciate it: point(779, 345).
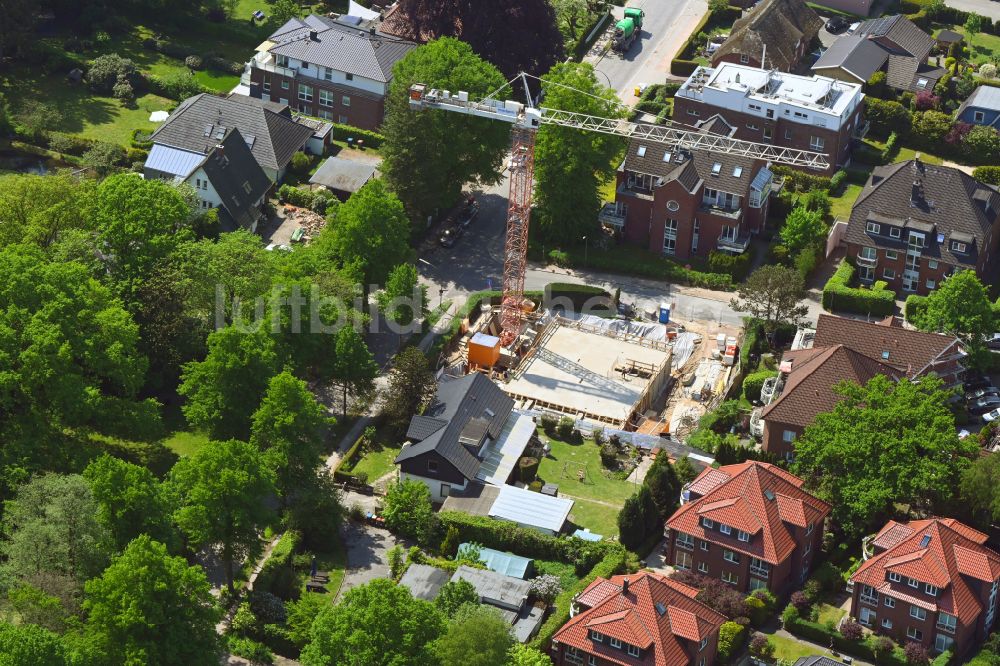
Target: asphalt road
point(989, 8)
point(666, 27)
point(476, 263)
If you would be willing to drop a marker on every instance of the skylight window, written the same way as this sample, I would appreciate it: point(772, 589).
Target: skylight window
point(926, 540)
point(716, 169)
point(666, 156)
point(885, 355)
point(737, 171)
point(642, 151)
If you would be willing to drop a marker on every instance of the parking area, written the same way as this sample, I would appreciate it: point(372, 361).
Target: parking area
point(367, 549)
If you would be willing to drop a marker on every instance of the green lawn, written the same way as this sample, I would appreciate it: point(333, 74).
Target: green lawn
point(598, 489)
point(565, 572)
point(829, 613)
point(218, 81)
point(982, 46)
point(334, 562)
point(903, 153)
point(377, 463)
point(789, 649)
point(841, 205)
point(186, 443)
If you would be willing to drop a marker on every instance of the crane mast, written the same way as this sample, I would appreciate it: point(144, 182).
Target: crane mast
point(525, 122)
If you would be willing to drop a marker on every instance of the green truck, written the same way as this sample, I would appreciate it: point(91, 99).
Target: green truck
point(627, 30)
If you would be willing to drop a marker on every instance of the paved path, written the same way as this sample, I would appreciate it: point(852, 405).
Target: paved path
point(223, 624)
point(347, 441)
point(442, 325)
point(366, 553)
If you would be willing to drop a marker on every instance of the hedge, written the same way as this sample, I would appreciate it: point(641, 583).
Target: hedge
point(838, 294)
point(887, 116)
point(818, 633)
point(141, 140)
point(915, 305)
point(736, 266)
point(348, 458)
point(614, 562)
point(681, 67)
point(752, 340)
point(644, 264)
point(277, 576)
point(753, 383)
point(987, 174)
point(345, 132)
point(800, 180)
point(505, 535)
point(943, 659)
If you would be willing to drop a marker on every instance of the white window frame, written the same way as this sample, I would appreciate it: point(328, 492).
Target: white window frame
point(892, 255)
point(873, 228)
point(325, 98)
point(978, 116)
point(895, 577)
point(742, 536)
point(889, 602)
point(914, 633)
point(958, 246)
point(913, 582)
point(930, 589)
point(725, 529)
point(730, 577)
point(345, 100)
point(703, 567)
point(949, 623)
point(932, 264)
point(707, 523)
point(596, 636)
point(633, 650)
point(704, 545)
point(894, 232)
point(788, 436)
point(867, 616)
point(685, 541)
point(886, 623)
point(731, 556)
point(817, 142)
point(305, 93)
point(918, 613)
point(614, 642)
point(744, 59)
point(683, 560)
point(809, 528)
point(888, 274)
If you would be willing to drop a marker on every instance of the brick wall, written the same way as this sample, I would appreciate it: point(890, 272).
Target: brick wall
point(365, 110)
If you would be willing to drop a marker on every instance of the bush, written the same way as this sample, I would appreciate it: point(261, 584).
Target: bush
point(193, 62)
point(839, 295)
point(916, 654)
point(123, 91)
point(987, 174)
point(890, 147)
point(851, 630)
point(756, 610)
point(731, 637)
point(301, 163)
point(176, 85)
point(791, 612)
point(68, 144)
point(106, 70)
point(104, 158)
point(735, 266)
point(549, 423)
point(714, 593)
point(837, 180)
point(753, 383)
point(251, 650)
point(277, 576)
point(876, 85)
point(886, 117)
point(801, 181)
point(564, 431)
point(528, 468)
point(680, 67)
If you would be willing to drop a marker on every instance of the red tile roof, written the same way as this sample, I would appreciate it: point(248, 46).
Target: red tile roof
point(808, 388)
point(635, 619)
point(939, 551)
point(734, 495)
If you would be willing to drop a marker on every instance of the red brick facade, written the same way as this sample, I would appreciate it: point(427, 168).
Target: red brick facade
point(750, 525)
point(364, 109)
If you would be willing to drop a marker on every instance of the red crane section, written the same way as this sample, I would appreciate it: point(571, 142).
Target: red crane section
point(515, 260)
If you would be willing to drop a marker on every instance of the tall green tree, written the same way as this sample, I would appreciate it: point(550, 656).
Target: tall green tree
point(376, 624)
point(477, 636)
point(411, 386)
point(290, 426)
point(223, 390)
point(454, 594)
point(663, 484)
point(223, 493)
point(772, 294)
point(70, 362)
point(803, 229)
point(371, 232)
point(130, 500)
point(570, 164)
point(30, 644)
point(354, 366)
point(402, 300)
point(151, 608)
point(981, 487)
point(38, 209)
point(884, 443)
point(960, 306)
point(408, 509)
point(524, 655)
point(429, 156)
point(139, 223)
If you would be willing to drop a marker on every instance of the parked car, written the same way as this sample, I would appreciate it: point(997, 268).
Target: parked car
point(993, 343)
point(451, 236)
point(985, 404)
point(837, 24)
point(468, 214)
point(979, 393)
point(989, 417)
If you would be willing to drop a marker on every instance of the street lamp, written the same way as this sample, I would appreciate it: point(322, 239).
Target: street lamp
point(586, 251)
point(440, 296)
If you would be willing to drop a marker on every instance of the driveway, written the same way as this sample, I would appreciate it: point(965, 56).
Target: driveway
point(367, 547)
point(665, 28)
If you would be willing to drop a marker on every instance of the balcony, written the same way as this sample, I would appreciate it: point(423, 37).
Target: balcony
point(871, 600)
point(611, 216)
point(635, 191)
point(949, 628)
point(575, 659)
point(738, 245)
point(868, 262)
point(759, 572)
point(269, 66)
point(757, 423)
point(686, 545)
point(861, 131)
point(719, 211)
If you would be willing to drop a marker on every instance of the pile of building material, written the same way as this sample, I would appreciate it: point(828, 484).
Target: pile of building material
point(709, 378)
point(312, 222)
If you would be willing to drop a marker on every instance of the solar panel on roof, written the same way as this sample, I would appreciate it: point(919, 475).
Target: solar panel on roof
point(208, 130)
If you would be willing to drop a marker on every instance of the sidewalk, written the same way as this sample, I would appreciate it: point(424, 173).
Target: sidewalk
point(443, 325)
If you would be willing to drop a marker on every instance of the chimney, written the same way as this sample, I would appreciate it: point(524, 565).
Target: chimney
point(371, 30)
point(916, 193)
point(313, 36)
point(220, 152)
point(625, 585)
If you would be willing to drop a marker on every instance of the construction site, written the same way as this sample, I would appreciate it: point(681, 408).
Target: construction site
point(633, 375)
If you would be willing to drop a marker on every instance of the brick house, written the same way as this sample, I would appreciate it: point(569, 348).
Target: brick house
point(338, 70)
point(914, 224)
point(751, 525)
point(840, 349)
point(778, 30)
point(803, 112)
point(687, 204)
point(641, 619)
point(805, 387)
point(932, 581)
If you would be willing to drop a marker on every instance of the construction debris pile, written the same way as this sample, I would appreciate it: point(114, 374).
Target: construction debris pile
point(312, 222)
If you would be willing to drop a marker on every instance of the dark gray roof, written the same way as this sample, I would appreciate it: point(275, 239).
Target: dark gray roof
point(927, 72)
point(983, 97)
point(733, 174)
point(716, 124)
point(817, 660)
point(780, 24)
point(343, 175)
point(947, 202)
point(237, 178)
point(854, 54)
point(340, 47)
point(949, 36)
point(457, 402)
point(199, 122)
point(424, 581)
point(899, 30)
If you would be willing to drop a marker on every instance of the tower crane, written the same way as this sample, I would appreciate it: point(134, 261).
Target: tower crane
point(525, 121)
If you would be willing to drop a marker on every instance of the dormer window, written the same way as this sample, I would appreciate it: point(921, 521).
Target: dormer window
point(725, 529)
point(894, 232)
point(432, 466)
point(707, 523)
point(873, 228)
point(913, 583)
point(633, 651)
point(930, 589)
point(895, 577)
point(956, 246)
point(597, 637)
point(742, 536)
point(614, 642)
